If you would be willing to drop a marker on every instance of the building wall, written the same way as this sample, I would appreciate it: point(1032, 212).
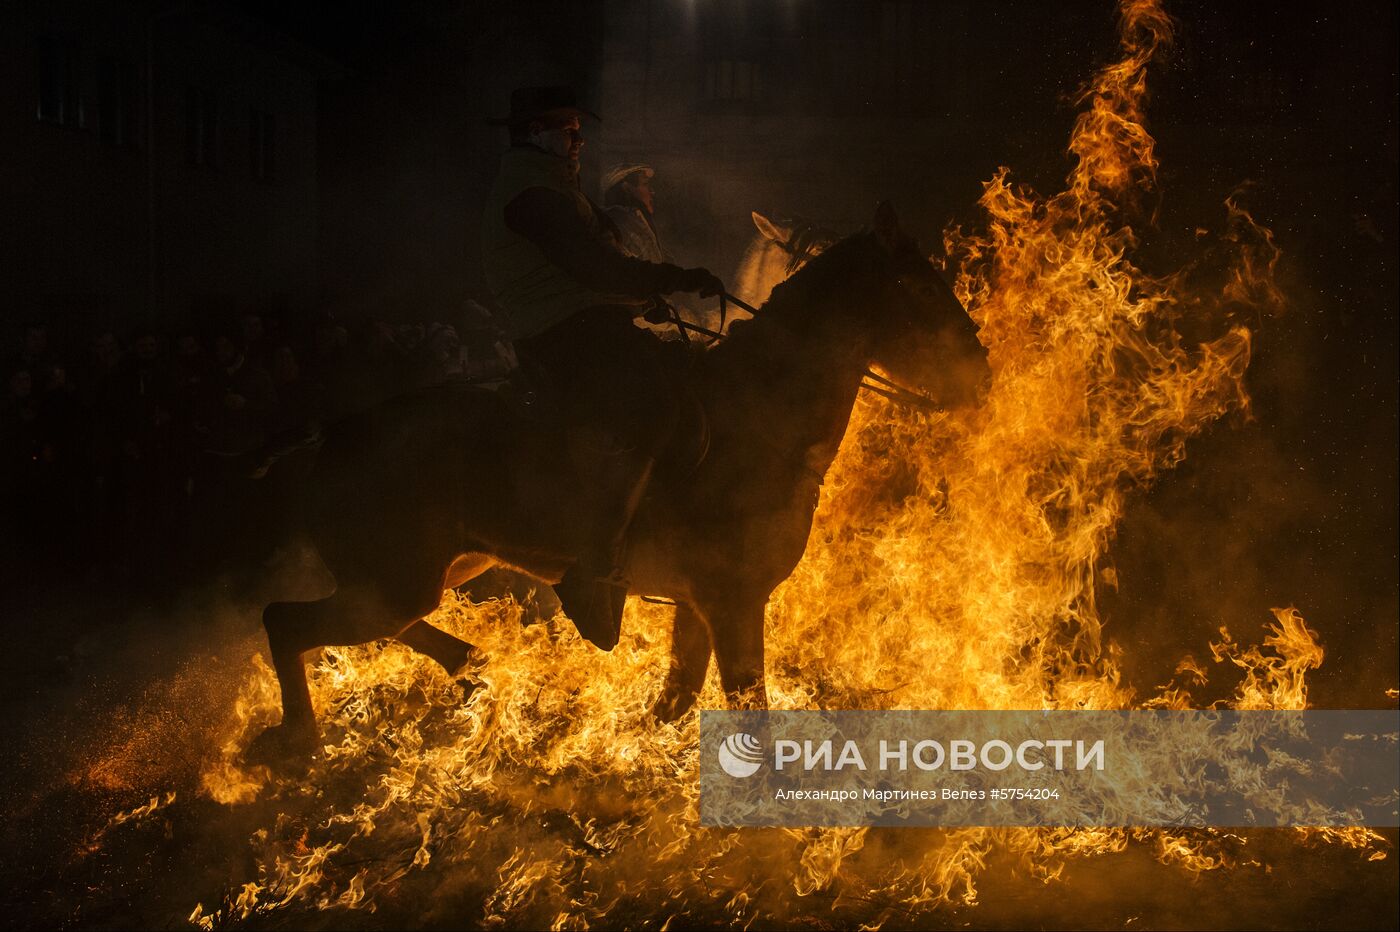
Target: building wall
point(118, 226)
point(409, 155)
point(223, 234)
point(821, 108)
point(73, 233)
point(816, 109)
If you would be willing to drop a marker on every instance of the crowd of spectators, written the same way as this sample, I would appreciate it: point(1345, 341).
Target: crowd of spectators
point(124, 453)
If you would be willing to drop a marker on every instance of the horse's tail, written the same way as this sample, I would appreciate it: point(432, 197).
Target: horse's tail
point(307, 438)
point(256, 500)
point(257, 463)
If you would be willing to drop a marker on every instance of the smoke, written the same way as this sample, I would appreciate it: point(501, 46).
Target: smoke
point(115, 713)
point(1290, 504)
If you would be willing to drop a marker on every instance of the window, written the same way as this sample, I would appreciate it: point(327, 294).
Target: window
point(262, 143)
point(116, 102)
point(736, 40)
point(58, 85)
point(731, 80)
point(201, 127)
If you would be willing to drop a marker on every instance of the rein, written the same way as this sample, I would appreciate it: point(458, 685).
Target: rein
point(880, 384)
point(800, 253)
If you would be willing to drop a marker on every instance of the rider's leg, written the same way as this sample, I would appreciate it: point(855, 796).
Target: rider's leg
point(594, 590)
point(624, 397)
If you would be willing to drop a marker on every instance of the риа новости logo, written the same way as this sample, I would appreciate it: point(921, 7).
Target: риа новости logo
point(740, 755)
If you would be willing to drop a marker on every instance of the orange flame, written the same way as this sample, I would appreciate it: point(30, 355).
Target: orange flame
point(955, 564)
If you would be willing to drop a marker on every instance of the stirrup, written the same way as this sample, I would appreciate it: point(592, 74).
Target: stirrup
point(593, 605)
point(615, 578)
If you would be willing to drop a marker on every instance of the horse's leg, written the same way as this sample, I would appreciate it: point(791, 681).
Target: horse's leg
point(736, 630)
point(353, 615)
point(452, 652)
point(690, 660)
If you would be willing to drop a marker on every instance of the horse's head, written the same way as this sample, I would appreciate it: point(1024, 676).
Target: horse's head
point(919, 332)
point(780, 249)
point(800, 239)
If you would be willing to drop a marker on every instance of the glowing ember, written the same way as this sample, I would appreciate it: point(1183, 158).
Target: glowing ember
point(954, 564)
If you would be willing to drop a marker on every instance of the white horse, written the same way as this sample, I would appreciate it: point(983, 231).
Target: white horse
point(780, 248)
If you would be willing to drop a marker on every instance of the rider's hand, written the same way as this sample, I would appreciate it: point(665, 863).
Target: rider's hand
point(701, 281)
point(658, 313)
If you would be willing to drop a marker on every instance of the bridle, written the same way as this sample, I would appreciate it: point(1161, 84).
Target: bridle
point(799, 248)
point(878, 384)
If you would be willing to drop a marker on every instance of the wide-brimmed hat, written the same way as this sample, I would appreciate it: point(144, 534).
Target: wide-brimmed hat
point(531, 103)
point(624, 170)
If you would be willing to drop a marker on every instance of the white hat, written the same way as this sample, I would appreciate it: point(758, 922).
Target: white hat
point(622, 171)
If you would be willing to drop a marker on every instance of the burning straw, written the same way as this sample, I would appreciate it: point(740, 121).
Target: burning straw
point(955, 564)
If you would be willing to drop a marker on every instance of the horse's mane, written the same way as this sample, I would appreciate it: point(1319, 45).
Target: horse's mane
point(826, 274)
point(794, 302)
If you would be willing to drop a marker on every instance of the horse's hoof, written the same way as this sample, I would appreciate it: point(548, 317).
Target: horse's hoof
point(282, 745)
point(467, 675)
point(669, 708)
point(469, 684)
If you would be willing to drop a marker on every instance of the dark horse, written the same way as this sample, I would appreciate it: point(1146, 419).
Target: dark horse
point(433, 489)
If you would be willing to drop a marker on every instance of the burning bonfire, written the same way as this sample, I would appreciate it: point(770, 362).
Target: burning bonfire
point(956, 564)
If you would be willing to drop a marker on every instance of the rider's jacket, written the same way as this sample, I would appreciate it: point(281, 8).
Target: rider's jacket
point(636, 235)
point(550, 252)
point(533, 293)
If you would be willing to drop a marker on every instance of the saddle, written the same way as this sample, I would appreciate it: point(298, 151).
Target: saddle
point(531, 394)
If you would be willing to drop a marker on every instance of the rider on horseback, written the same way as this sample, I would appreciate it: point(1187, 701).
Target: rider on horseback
point(568, 298)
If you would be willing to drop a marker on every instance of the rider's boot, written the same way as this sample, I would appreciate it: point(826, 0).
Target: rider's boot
point(594, 590)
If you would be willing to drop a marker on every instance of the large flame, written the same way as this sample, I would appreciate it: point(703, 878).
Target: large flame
point(955, 564)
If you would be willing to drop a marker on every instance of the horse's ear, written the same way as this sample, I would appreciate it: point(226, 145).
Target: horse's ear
point(887, 225)
point(774, 231)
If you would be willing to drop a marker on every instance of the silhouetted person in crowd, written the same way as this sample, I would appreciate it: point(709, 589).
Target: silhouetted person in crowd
point(18, 408)
point(64, 466)
point(190, 363)
point(35, 355)
point(138, 456)
point(141, 397)
point(103, 368)
point(300, 406)
point(257, 345)
point(489, 354)
point(437, 357)
point(380, 364)
point(239, 402)
point(146, 373)
point(20, 509)
point(190, 371)
point(330, 367)
point(99, 395)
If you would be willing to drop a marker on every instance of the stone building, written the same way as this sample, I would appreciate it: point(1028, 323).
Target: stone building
point(159, 162)
point(817, 108)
